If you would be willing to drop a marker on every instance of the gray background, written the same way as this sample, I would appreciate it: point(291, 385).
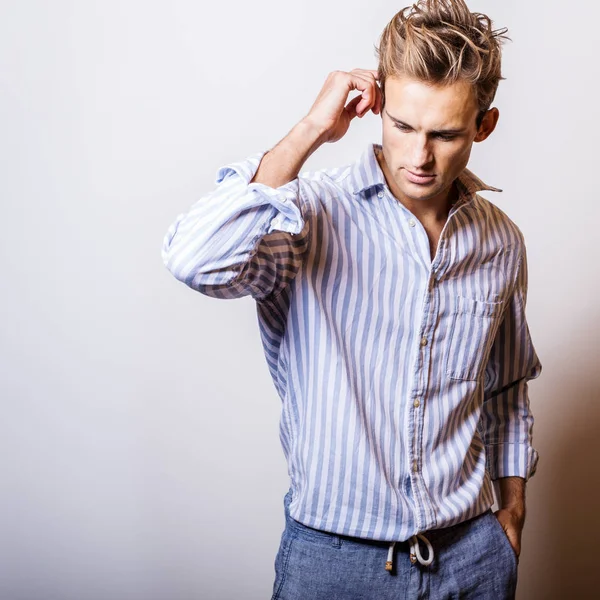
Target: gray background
point(139, 446)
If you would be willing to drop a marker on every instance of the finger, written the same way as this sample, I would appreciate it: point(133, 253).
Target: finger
point(373, 72)
point(379, 100)
point(373, 100)
point(370, 75)
point(371, 94)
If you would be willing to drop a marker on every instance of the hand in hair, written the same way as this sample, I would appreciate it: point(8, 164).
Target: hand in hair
point(330, 114)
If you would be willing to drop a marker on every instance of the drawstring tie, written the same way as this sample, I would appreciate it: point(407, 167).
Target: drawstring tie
point(415, 552)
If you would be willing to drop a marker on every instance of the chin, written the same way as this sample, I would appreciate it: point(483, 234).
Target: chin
point(418, 192)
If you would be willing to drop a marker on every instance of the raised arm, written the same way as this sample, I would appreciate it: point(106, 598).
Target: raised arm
point(246, 237)
point(249, 235)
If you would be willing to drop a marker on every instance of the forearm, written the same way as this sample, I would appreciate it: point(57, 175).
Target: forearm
point(283, 162)
point(512, 494)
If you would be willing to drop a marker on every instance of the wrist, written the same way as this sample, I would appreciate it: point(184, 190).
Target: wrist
point(312, 131)
point(512, 496)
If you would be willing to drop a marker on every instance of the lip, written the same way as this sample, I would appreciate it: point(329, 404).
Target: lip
point(419, 179)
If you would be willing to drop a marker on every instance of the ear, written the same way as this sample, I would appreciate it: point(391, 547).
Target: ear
point(488, 124)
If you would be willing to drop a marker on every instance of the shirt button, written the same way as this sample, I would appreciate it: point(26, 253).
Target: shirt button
point(380, 194)
point(412, 223)
point(416, 404)
point(415, 466)
point(423, 341)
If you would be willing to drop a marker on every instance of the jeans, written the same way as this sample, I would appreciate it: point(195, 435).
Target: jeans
point(472, 559)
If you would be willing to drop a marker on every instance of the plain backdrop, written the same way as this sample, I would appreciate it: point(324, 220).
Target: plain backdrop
point(139, 447)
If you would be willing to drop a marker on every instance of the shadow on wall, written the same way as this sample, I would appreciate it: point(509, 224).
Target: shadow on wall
point(562, 532)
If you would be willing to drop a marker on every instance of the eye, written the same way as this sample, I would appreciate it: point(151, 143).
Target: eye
point(401, 127)
point(445, 138)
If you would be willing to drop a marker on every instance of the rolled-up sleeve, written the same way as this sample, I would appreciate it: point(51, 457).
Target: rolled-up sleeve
point(506, 422)
point(241, 238)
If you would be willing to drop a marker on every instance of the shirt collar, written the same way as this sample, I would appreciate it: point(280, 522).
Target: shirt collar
point(365, 173)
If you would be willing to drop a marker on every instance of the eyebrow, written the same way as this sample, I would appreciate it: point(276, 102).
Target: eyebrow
point(435, 131)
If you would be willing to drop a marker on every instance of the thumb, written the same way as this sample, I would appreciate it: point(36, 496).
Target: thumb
point(351, 106)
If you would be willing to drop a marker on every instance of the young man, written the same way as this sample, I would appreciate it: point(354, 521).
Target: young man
point(391, 303)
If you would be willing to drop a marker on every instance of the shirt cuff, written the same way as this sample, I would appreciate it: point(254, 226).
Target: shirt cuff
point(511, 460)
point(284, 198)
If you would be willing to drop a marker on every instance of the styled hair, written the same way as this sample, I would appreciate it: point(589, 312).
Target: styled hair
point(441, 42)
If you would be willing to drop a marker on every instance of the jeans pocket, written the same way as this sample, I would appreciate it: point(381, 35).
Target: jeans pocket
point(472, 330)
point(281, 563)
point(505, 541)
point(304, 532)
point(296, 529)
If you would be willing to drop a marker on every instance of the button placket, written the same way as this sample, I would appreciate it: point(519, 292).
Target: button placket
point(425, 512)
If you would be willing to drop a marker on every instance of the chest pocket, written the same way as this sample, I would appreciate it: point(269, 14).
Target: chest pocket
point(474, 325)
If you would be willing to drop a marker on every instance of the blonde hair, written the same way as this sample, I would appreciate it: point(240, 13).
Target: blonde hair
point(441, 41)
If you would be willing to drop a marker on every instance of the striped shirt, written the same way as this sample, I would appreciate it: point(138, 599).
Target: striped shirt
point(403, 379)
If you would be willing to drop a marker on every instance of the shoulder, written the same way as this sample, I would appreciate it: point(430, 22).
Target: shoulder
point(500, 222)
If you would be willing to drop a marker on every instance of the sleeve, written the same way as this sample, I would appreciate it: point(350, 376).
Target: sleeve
point(241, 238)
point(506, 422)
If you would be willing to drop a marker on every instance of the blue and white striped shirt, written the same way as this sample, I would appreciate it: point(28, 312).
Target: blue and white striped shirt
point(403, 379)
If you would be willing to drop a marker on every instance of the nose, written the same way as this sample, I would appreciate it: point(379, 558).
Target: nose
point(421, 154)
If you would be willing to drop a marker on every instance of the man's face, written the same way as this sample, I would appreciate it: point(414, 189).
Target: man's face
point(428, 131)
